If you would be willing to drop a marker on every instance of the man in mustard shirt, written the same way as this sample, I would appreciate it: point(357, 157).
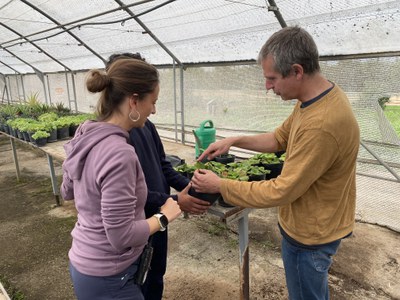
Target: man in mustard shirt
point(316, 190)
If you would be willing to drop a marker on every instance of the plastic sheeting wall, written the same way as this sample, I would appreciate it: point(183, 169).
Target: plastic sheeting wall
point(234, 97)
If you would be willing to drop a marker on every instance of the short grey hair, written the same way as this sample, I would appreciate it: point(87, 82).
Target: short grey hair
point(291, 45)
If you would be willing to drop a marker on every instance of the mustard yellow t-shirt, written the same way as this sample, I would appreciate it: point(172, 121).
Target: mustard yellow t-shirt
point(316, 190)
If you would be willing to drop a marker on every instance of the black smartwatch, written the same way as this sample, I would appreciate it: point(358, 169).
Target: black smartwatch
point(162, 221)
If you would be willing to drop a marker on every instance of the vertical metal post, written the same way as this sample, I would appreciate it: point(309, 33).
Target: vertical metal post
point(48, 88)
point(71, 99)
point(74, 91)
point(175, 104)
point(23, 86)
point(5, 90)
point(18, 89)
point(244, 257)
point(46, 99)
point(9, 90)
point(41, 77)
point(182, 107)
point(68, 93)
point(15, 157)
point(53, 179)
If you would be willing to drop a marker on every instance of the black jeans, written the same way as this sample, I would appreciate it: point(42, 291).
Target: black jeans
point(153, 287)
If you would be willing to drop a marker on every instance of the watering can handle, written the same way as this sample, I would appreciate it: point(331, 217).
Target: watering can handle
point(202, 124)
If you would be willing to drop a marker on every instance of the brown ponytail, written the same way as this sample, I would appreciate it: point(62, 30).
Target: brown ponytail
point(124, 77)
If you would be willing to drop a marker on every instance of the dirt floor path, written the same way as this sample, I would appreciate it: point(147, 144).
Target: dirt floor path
point(203, 251)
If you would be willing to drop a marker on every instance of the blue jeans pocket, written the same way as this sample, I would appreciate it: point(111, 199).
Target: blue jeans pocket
point(322, 258)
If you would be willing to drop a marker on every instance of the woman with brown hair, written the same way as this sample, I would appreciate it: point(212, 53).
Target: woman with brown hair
point(103, 175)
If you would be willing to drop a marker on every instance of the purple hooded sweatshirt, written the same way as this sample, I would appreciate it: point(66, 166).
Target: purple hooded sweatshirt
point(103, 175)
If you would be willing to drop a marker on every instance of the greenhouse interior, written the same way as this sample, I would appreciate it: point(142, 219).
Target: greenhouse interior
point(206, 53)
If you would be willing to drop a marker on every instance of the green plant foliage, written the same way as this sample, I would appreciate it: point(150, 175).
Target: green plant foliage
point(12, 292)
point(257, 170)
point(23, 124)
point(32, 99)
point(61, 109)
point(265, 158)
point(9, 111)
point(392, 113)
point(239, 170)
point(40, 134)
point(48, 117)
point(62, 122)
point(382, 101)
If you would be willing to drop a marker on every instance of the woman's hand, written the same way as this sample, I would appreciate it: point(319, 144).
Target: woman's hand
point(191, 204)
point(171, 209)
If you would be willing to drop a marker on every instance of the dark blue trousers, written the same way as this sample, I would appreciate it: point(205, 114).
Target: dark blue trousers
point(120, 286)
point(154, 285)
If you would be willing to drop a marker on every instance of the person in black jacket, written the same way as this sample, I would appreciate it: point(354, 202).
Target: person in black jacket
point(159, 176)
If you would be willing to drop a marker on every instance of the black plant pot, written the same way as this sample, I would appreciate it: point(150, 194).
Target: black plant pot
point(279, 153)
point(275, 169)
point(211, 198)
point(30, 137)
point(6, 128)
point(72, 130)
point(12, 132)
point(63, 133)
point(19, 134)
point(26, 136)
point(53, 136)
point(222, 203)
point(257, 177)
point(40, 142)
point(225, 158)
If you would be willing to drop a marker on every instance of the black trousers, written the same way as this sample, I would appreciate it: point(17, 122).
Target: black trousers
point(154, 285)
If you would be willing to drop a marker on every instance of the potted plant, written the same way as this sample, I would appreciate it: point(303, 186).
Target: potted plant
point(62, 124)
point(60, 109)
point(11, 127)
point(186, 170)
point(40, 137)
point(49, 119)
point(2, 121)
point(270, 161)
point(51, 128)
point(211, 198)
point(234, 171)
point(33, 127)
point(23, 127)
point(257, 173)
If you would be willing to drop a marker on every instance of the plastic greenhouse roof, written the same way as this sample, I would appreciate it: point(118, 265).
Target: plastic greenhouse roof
point(52, 35)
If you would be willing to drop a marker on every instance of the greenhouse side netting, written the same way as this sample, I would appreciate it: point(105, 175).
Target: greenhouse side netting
point(205, 51)
point(234, 98)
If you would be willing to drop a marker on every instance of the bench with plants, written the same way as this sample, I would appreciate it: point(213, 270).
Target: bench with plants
point(24, 120)
point(261, 166)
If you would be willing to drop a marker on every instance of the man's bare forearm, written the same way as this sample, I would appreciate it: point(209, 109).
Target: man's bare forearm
point(265, 142)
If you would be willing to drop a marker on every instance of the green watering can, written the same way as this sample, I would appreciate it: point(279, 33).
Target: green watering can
point(204, 135)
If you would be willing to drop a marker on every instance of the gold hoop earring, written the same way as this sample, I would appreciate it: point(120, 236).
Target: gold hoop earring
point(136, 119)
